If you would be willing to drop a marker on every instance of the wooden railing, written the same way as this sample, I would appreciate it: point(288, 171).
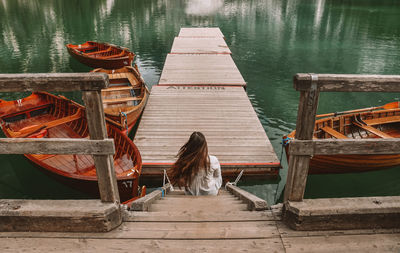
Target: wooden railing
point(303, 146)
point(100, 147)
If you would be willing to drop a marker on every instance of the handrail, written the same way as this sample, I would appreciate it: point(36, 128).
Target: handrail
point(301, 149)
point(91, 85)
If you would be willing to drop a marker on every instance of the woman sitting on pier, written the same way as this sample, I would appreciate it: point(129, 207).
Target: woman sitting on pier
point(195, 169)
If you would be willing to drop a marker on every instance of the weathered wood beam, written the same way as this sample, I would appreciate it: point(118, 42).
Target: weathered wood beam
point(104, 164)
point(86, 215)
point(56, 146)
point(298, 165)
point(343, 213)
point(144, 203)
point(345, 147)
point(349, 83)
point(253, 202)
point(53, 82)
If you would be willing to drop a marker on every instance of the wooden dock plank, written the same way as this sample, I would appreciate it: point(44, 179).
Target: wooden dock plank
point(200, 32)
point(187, 45)
point(348, 243)
point(171, 230)
point(183, 69)
point(285, 231)
point(234, 135)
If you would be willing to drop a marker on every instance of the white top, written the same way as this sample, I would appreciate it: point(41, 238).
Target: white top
point(206, 182)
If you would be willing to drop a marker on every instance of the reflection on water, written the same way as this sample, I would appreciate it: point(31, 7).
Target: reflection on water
point(203, 7)
point(271, 40)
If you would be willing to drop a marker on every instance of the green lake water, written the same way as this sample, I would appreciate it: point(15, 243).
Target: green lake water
point(270, 40)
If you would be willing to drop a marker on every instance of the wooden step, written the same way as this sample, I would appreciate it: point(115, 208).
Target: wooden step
point(212, 207)
point(198, 201)
point(223, 196)
point(199, 216)
point(334, 133)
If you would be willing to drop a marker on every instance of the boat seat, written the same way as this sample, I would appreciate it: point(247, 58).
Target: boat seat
point(84, 49)
point(333, 132)
point(384, 120)
point(115, 55)
point(120, 100)
point(118, 88)
point(131, 79)
point(46, 125)
point(116, 76)
point(374, 131)
point(25, 109)
point(99, 52)
point(43, 157)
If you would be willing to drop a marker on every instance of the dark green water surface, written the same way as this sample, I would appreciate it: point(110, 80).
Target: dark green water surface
point(271, 40)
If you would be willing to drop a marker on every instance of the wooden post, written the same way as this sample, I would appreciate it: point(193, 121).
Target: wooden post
point(104, 164)
point(298, 165)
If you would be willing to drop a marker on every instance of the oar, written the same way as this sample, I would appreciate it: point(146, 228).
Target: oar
point(387, 106)
point(26, 133)
point(32, 132)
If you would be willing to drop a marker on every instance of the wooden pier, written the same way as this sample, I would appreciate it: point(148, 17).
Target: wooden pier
point(201, 89)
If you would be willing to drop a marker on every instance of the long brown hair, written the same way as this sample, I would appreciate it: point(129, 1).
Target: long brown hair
point(192, 157)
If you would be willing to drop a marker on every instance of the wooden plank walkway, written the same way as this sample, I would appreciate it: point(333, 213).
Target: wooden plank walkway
point(203, 92)
point(200, 32)
point(179, 223)
point(201, 69)
point(224, 114)
point(206, 45)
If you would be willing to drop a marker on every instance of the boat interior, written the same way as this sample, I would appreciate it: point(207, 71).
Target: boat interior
point(125, 91)
point(375, 124)
point(100, 50)
point(45, 115)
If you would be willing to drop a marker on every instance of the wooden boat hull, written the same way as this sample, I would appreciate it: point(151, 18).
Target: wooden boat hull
point(90, 187)
point(64, 118)
point(125, 84)
point(383, 122)
point(114, 59)
point(352, 163)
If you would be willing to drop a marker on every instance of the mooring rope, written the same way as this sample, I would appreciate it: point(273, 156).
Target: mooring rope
point(166, 177)
point(285, 141)
point(236, 180)
point(126, 119)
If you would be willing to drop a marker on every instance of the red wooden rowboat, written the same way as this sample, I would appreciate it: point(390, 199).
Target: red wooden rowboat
point(362, 123)
point(42, 115)
point(101, 55)
point(125, 98)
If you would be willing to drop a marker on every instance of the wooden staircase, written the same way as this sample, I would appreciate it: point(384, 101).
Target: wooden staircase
point(205, 223)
